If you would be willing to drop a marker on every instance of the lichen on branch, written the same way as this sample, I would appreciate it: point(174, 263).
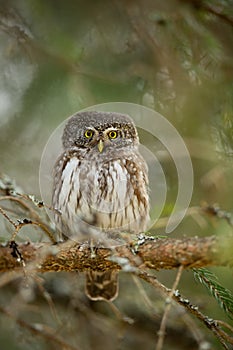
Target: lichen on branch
point(157, 253)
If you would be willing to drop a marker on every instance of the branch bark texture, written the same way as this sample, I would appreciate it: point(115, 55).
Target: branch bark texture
point(162, 253)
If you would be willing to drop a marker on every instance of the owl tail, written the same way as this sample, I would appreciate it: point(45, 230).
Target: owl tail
point(102, 285)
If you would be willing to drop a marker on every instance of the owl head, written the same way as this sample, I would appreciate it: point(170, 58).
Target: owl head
point(99, 130)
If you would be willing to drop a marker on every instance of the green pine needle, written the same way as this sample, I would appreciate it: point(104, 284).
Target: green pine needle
point(223, 296)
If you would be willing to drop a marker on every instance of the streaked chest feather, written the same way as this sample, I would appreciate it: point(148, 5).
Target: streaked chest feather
point(112, 195)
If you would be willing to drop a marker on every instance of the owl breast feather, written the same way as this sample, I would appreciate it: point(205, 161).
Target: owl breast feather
point(111, 195)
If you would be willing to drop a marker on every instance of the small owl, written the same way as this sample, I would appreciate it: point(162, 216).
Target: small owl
point(100, 181)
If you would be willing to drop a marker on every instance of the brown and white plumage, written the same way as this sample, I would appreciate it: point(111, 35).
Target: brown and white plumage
point(100, 181)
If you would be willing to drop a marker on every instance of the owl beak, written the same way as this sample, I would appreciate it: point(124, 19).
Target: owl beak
point(100, 145)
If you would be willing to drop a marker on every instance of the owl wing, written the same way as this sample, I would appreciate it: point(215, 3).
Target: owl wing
point(66, 189)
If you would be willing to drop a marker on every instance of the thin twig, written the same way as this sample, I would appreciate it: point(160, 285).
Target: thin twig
point(226, 325)
point(29, 222)
point(40, 330)
point(217, 12)
point(22, 203)
point(195, 330)
point(162, 329)
point(8, 218)
point(143, 293)
point(223, 333)
point(48, 298)
point(193, 309)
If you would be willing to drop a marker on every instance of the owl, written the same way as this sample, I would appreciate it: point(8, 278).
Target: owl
point(101, 186)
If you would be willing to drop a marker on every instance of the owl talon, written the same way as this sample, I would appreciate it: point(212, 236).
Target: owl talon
point(93, 249)
point(93, 254)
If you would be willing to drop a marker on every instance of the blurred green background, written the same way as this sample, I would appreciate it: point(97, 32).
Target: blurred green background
point(175, 57)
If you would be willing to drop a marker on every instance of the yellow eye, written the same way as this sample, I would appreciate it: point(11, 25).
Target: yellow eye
point(113, 134)
point(88, 134)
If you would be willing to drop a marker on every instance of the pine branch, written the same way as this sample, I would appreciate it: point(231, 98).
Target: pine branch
point(41, 330)
point(139, 250)
point(211, 324)
point(223, 296)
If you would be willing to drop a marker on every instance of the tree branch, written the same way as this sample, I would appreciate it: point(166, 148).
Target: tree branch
point(154, 253)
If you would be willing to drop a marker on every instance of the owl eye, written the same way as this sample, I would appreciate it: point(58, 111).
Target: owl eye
point(88, 134)
point(113, 134)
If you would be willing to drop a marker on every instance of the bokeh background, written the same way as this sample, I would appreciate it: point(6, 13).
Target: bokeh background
point(175, 57)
